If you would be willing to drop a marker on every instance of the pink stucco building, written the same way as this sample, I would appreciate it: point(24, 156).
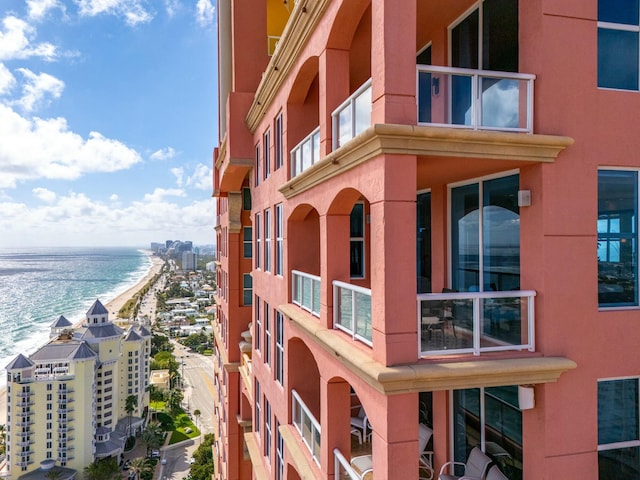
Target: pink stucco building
point(428, 238)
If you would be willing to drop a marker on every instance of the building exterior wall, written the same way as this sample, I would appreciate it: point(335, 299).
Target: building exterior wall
point(327, 51)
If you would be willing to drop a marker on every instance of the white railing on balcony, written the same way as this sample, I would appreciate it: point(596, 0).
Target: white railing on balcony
point(353, 116)
point(307, 425)
point(475, 322)
point(352, 311)
point(476, 99)
point(305, 291)
point(306, 153)
point(342, 467)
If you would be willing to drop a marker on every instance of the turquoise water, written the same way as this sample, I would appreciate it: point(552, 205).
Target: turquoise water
point(37, 285)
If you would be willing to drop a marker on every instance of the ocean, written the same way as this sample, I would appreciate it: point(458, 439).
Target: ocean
point(37, 285)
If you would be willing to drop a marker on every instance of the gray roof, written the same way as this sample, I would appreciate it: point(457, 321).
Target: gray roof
point(84, 351)
point(19, 362)
point(132, 336)
point(61, 322)
point(41, 474)
point(97, 309)
point(102, 330)
point(143, 331)
point(62, 351)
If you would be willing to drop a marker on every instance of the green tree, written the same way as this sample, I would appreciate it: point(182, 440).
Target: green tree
point(106, 469)
point(130, 405)
point(152, 436)
point(202, 468)
point(139, 466)
point(197, 413)
point(174, 399)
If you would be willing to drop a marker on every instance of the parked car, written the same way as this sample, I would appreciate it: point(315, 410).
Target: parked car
point(155, 453)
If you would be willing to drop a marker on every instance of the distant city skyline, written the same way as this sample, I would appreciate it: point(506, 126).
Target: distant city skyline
point(108, 118)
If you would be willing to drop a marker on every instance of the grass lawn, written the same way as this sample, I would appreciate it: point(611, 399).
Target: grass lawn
point(178, 424)
point(157, 406)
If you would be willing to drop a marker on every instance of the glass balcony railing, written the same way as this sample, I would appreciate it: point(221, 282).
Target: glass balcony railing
point(353, 116)
point(306, 153)
point(475, 322)
point(476, 99)
point(352, 311)
point(343, 468)
point(305, 291)
point(307, 425)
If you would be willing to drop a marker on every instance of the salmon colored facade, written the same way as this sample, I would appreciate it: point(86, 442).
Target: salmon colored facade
point(427, 236)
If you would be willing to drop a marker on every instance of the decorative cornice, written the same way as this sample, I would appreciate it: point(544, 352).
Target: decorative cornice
point(301, 23)
point(222, 152)
point(255, 453)
point(431, 375)
point(300, 458)
point(428, 141)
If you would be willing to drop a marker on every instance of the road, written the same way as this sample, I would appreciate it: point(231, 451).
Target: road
point(197, 372)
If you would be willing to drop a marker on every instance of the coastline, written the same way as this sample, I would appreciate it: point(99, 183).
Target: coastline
point(113, 305)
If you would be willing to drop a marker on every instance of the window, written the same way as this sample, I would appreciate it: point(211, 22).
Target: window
point(246, 198)
point(485, 235)
point(267, 334)
point(618, 30)
point(266, 154)
point(357, 240)
point(257, 166)
point(618, 429)
point(267, 240)
point(257, 408)
point(267, 429)
point(278, 141)
point(258, 242)
point(423, 242)
point(617, 238)
point(489, 417)
point(279, 239)
point(279, 348)
point(247, 242)
point(247, 289)
point(258, 327)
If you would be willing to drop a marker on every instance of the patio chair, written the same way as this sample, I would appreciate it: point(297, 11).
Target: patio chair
point(494, 473)
point(475, 468)
point(361, 423)
point(363, 466)
point(426, 456)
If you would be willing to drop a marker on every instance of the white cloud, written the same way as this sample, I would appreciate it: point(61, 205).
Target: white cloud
point(76, 219)
point(114, 197)
point(46, 148)
point(201, 178)
point(133, 11)
point(178, 172)
point(7, 80)
point(159, 194)
point(163, 154)
point(171, 7)
point(38, 9)
point(44, 194)
point(205, 12)
point(15, 41)
point(37, 88)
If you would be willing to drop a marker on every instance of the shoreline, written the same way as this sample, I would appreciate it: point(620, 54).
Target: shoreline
point(113, 305)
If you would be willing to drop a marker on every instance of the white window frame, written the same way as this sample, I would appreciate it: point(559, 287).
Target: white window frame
point(258, 323)
point(279, 267)
point(267, 240)
point(625, 444)
point(266, 153)
point(279, 137)
point(258, 232)
point(267, 334)
point(257, 166)
point(279, 366)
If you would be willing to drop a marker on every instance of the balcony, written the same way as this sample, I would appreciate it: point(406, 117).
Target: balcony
point(306, 153)
point(25, 443)
point(25, 423)
point(25, 414)
point(305, 291)
point(343, 467)
point(353, 116)
point(352, 311)
point(24, 394)
point(475, 322)
point(65, 429)
point(65, 400)
point(64, 410)
point(475, 99)
point(307, 425)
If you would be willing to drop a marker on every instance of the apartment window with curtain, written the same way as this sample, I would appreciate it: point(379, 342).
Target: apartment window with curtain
point(266, 153)
point(356, 231)
point(279, 239)
point(267, 240)
point(618, 51)
point(618, 429)
point(617, 238)
point(278, 141)
point(258, 242)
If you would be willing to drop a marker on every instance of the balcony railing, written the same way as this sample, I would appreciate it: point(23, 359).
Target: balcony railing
point(353, 116)
point(476, 99)
point(475, 322)
point(307, 425)
point(306, 153)
point(305, 291)
point(352, 311)
point(343, 468)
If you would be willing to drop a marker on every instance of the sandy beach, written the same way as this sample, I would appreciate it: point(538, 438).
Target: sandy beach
point(113, 305)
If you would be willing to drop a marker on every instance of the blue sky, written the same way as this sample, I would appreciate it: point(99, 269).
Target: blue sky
point(108, 119)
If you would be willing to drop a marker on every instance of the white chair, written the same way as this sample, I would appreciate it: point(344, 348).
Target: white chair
point(361, 423)
point(426, 456)
point(363, 466)
point(494, 473)
point(475, 468)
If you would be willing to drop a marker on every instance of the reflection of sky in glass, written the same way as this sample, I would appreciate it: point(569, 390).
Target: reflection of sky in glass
point(344, 122)
point(500, 103)
point(363, 111)
point(497, 220)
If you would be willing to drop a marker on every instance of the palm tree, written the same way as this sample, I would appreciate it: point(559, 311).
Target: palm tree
point(53, 474)
point(130, 405)
point(102, 470)
point(196, 413)
point(152, 436)
point(139, 466)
